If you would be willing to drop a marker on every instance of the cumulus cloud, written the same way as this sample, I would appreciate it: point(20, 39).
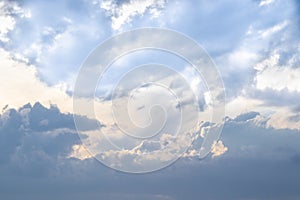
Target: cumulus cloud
point(20, 85)
point(263, 69)
point(218, 149)
point(40, 158)
point(36, 140)
point(9, 11)
point(51, 42)
point(271, 76)
point(34, 132)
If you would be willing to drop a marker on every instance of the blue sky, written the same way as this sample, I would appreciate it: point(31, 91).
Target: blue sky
point(255, 46)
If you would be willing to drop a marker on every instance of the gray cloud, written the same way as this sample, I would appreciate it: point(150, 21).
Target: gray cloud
point(34, 134)
point(271, 97)
point(261, 163)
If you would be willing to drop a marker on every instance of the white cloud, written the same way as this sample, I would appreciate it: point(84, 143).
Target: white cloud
point(263, 72)
point(148, 155)
point(274, 29)
point(7, 24)
point(123, 13)
point(218, 149)
point(55, 44)
point(8, 11)
point(272, 75)
point(265, 2)
point(20, 85)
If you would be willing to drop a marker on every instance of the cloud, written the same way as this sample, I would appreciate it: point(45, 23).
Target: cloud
point(281, 57)
point(259, 60)
point(269, 74)
point(246, 116)
point(123, 12)
point(259, 137)
point(258, 160)
point(218, 149)
point(9, 11)
point(50, 41)
point(37, 141)
point(26, 138)
point(20, 85)
point(267, 81)
point(53, 43)
point(265, 2)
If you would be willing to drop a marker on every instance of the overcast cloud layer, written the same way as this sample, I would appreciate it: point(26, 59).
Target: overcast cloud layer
point(261, 163)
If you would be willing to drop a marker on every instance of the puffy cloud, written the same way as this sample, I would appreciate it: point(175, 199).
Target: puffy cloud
point(37, 141)
point(26, 138)
point(51, 42)
point(270, 74)
point(268, 81)
point(218, 149)
point(244, 137)
point(20, 85)
point(123, 12)
point(9, 11)
point(256, 158)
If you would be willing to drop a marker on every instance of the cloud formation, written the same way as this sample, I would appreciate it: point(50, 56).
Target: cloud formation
point(20, 85)
point(38, 154)
point(123, 12)
point(256, 47)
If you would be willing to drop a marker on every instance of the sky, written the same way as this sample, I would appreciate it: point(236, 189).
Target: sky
point(139, 131)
